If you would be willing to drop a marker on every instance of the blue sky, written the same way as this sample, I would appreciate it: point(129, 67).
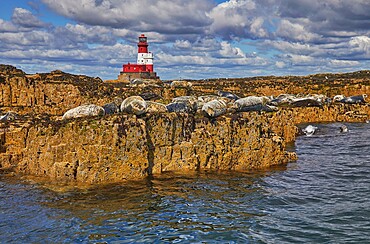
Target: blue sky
point(190, 39)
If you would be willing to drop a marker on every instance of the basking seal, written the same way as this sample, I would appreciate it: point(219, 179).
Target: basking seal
point(113, 107)
point(190, 101)
point(207, 98)
point(153, 107)
point(180, 107)
point(306, 102)
point(84, 111)
point(180, 84)
point(137, 82)
point(149, 96)
point(250, 102)
point(350, 100)
point(214, 108)
point(134, 105)
point(9, 116)
point(258, 107)
point(228, 95)
point(281, 100)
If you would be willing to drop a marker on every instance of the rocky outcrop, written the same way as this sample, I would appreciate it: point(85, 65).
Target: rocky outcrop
point(120, 146)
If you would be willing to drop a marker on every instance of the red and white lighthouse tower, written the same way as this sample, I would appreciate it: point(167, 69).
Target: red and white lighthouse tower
point(144, 66)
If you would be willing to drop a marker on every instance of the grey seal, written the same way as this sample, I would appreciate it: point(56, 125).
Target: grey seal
point(9, 116)
point(350, 100)
point(229, 95)
point(84, 111)
point(250, 103)
point(134, 105)
point(180, 84)
point(154, 107)
point(309, 130)
point(180, 107)
point(214, 108)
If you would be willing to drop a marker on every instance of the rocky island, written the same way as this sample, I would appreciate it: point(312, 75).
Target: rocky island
point(217, 124)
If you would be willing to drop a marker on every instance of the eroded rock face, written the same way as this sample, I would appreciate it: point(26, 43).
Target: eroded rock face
point(53, 93)
point(122, 146)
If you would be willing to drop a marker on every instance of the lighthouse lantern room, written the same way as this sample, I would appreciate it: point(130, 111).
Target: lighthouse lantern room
point(143, 69)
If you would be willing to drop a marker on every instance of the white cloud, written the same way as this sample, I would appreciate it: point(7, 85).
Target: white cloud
point(361, 44)
point(236, 37)
point(165, 16)
point(228, 51)
point(25, 18)
point(295, 32)
point(343, 63)
point(6, 26)
point(280, 64)
point(237, 19)
point(182, 44)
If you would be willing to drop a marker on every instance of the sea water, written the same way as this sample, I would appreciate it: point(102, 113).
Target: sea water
point(324, 197)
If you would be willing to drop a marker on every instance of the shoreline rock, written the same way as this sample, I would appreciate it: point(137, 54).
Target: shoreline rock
point(118, 147)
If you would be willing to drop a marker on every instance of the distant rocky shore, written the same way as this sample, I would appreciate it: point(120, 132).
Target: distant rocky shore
point(79, 129)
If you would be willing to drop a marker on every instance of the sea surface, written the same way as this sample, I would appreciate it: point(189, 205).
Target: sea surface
point(324, 197)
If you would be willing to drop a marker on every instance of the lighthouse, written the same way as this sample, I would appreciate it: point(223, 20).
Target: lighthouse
point(143, 69)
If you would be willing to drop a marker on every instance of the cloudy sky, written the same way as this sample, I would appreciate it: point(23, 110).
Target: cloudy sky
point(190, 39)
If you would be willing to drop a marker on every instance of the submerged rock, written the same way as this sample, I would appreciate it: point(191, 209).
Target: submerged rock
point(134, 105)
point(84, 111)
